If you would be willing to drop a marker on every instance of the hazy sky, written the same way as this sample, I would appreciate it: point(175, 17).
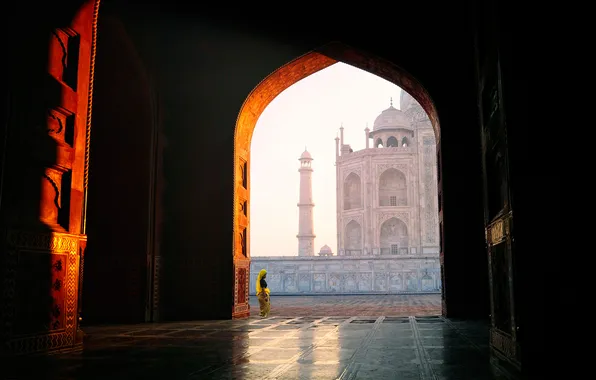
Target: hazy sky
point(309, 113)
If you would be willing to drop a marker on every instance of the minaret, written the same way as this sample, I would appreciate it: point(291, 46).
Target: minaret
point(337, 195)
point(306, 235)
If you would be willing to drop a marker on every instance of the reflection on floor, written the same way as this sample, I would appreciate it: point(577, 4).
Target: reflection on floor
point(365, 347)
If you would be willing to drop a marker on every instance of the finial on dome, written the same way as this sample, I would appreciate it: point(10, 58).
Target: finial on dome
point(305, 148)
point(391, 101)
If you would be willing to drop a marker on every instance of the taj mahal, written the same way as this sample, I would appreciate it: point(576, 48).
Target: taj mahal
point(387, 215)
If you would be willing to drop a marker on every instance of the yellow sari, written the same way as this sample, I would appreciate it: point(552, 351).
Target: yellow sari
point(263, 295)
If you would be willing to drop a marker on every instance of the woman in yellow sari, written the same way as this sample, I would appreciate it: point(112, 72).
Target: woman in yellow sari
point(263, 294)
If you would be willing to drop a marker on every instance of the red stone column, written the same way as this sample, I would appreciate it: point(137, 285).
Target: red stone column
point(44, 181)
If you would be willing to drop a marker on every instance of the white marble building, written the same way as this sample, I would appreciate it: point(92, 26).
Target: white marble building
point(387, 215)
point(387, 194)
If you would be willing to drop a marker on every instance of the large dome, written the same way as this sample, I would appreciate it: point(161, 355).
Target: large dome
point(391, 118)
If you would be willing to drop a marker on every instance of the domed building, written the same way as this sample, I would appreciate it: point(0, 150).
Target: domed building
point(387, 193)
point(387, 215)
point(325, 251)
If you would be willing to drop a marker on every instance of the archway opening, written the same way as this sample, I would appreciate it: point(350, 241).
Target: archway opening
point(394, 237)
point(392, 188)
point(392, 142)
point(352, 192)
point(352, 184)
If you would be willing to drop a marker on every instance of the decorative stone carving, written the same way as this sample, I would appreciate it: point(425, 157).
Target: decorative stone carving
point(382, 167)
point(356, 218)
point(395, 282)
point(62, 249)
point(334, 282)
point(349, 170)
point(241, 288)
point(411, 282)
point(349, 275)
point(429, 191)
point(382, 217)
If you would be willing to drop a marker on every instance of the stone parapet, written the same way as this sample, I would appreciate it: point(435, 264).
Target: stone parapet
point(348, 275)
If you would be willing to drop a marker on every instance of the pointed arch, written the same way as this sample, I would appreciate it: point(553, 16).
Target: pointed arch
point(393, 238)
point(393, 190)
point(392, 142)
point(272, 86)
point(352, 192)
point(353, 239)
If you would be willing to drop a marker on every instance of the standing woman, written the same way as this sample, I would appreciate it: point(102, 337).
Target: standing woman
point(263, 294)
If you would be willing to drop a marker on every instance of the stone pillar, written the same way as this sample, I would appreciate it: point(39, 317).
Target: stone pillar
point(44, 180)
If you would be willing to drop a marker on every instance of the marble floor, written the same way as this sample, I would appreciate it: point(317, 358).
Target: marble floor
point(401, 305)
point(279, 347)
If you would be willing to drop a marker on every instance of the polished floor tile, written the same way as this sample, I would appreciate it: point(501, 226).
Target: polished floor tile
point(279, 347)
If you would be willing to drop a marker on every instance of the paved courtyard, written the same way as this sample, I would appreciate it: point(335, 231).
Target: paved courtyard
point(361, 305)
point(305, 347)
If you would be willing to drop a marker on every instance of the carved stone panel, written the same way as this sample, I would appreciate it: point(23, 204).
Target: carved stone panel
point(411, 281)
point(334, 282)
point(319, 282)
point(289, 280)
point(380, 282)
point(364, 282)
point(382, 217)
point(395, 282)
point(349, 170)
point(39, 302)
point(350, 283)
point(430, 211)
point(304, 282)
point(348, 275)
point(382, 167)
point(356, 218)
point(242, 286)
point(427, 282)
point(274, 282)
point(241, 290)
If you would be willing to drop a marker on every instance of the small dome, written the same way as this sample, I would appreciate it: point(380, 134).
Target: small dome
point(391, 118)
point(305, 155)
point(325, 251)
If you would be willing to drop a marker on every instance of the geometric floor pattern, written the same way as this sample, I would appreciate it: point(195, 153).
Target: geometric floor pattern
point(279, 347)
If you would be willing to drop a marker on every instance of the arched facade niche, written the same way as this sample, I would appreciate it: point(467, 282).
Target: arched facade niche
point(394, 237)
point(273, 85)
point(393, 190)
point(379, 143)
point(353, 239)
point(352, 192)
point(392, 142)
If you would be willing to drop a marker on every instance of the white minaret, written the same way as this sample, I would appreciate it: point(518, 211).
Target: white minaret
point(306, 233)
